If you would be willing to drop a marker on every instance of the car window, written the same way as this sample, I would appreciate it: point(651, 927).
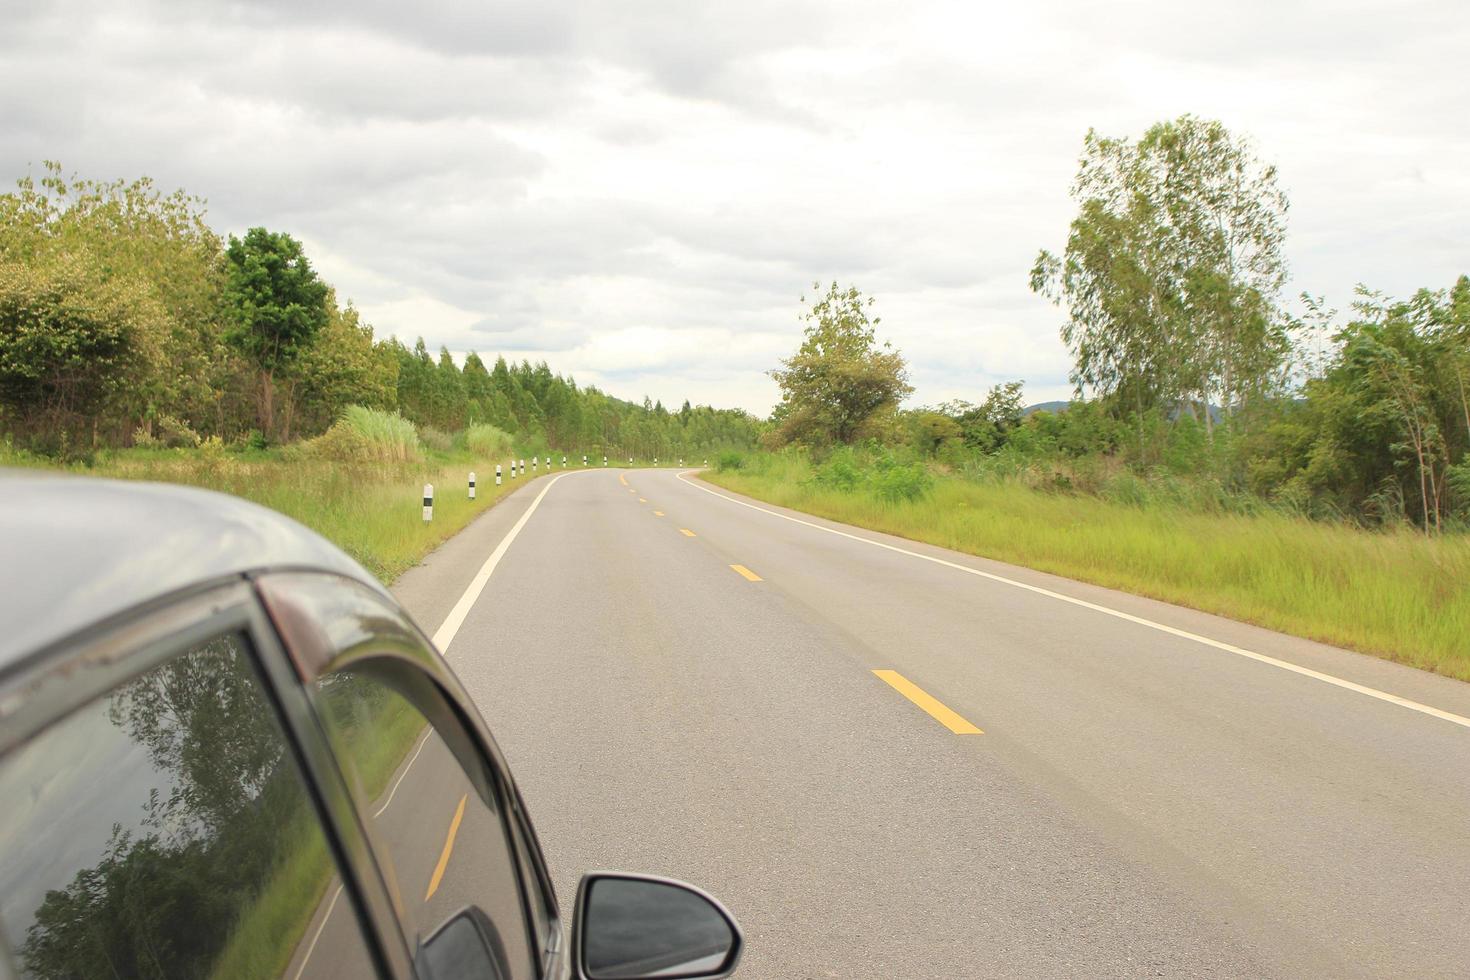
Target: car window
point(438, 825)
point(164, 830)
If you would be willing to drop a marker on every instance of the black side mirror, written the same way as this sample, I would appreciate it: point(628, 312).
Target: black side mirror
point(629, 927)
point(465, 947)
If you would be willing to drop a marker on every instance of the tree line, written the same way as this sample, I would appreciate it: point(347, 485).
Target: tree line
point(1186, 360)
point(125, 318)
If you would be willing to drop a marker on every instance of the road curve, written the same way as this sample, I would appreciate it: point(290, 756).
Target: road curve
point(888, 767)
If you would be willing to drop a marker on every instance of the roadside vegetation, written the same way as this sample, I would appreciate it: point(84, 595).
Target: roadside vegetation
point(1302, 470)
point(1392, 592)
point(136, 343)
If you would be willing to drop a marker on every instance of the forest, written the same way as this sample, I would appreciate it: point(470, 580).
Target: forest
point(127, 321)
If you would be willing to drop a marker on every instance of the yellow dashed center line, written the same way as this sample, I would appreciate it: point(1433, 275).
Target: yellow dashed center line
point(935, 708)
point(686, 532)
point(747, 573)
point(622, 479)
point(643, 500)
point(448, 847)
point(658, 513)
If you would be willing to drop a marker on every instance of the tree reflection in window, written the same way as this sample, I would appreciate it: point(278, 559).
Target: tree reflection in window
point(215, 862)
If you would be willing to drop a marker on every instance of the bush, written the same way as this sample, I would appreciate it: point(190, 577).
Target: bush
point(729, 460)
point(899, 483)
point(841, 471)
point(176, 433)
point(487, 441)
point(143, 439)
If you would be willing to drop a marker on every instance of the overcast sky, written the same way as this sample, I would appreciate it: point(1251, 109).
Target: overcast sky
point(641, 192)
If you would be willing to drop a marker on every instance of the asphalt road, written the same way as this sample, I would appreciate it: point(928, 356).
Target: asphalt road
point(1139, 802)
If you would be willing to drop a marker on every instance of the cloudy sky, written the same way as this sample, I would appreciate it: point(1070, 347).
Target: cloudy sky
point(641, 192)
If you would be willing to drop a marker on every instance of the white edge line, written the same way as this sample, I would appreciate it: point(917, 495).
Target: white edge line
point(320, 926)
point(447, 630)
point(1184, 634)
point(442, 638)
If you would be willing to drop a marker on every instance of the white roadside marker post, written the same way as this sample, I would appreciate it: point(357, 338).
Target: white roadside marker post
point(472, 482)
point(584, 459)
point(428, 502)
point(706, 462)
point(604, 461)
point(563, 462)
point(497, 474)
point(533, 463)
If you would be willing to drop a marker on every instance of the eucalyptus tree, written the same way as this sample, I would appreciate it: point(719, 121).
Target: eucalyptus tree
point(1173, 269)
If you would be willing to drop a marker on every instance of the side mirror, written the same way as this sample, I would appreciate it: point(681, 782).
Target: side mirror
point(465, 947)
point(630, 927)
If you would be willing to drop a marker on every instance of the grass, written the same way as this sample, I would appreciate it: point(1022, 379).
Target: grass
point(373, 510)
point(1395, 594)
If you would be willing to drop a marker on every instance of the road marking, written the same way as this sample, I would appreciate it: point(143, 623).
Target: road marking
point(448, 847)
point(1117, 614)
point(622, 479)
point(318, 934)
point(456, 617)
point(642, 500)
point(932, 705)
point(686, 532)
point(424, 740)
point(658, 513)
point(742, 570)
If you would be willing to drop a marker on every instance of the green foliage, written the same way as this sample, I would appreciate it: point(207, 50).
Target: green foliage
point(390, 436)
point(487, 441)
point(432, 438)
point(1173, 269)
point(277, 306)
point(841, 385)
point(729, 460)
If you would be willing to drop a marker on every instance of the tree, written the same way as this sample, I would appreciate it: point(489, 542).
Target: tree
point(841, 384)
point(278, 306)
point(72, 344)
point(1173, 270)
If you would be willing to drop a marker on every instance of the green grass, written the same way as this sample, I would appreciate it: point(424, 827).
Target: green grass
point(372, 510)
point(1395, 594)
point(273, 923)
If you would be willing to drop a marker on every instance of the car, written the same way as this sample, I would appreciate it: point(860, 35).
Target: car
point(226, 751)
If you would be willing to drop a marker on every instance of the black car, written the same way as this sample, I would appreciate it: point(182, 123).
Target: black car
point(226, 751)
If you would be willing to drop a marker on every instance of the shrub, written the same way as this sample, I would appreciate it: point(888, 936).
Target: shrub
point(840, 472)
point(898, 483)
point(486, 440)
point(143, 439)
point(176, 433)
point(729, 460)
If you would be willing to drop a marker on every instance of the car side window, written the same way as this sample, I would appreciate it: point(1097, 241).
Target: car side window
point(165, 830)
point(437, 820)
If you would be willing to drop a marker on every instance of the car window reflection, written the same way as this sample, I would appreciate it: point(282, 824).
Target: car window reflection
point(165, 831)
point(442, 844)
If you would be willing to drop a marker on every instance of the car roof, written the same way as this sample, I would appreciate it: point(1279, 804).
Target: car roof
point(75, 551)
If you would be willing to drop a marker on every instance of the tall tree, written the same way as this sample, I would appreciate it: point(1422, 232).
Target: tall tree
point(279, 304)
point(1173, 269)
point(841, 384)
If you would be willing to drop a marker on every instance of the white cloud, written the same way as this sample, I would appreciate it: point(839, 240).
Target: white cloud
point(640, 192)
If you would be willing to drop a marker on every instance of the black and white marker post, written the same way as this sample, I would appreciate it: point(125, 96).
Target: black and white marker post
point(604, 461)
point(497, 474)
point(428, 502)
point(584, 459)
point(472, 482)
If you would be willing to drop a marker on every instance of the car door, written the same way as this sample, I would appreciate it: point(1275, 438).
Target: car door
point(431, 793)
point(156, 815)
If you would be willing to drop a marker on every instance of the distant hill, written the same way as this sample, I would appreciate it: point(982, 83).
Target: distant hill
point(1056, 407)
point(1047, 407)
